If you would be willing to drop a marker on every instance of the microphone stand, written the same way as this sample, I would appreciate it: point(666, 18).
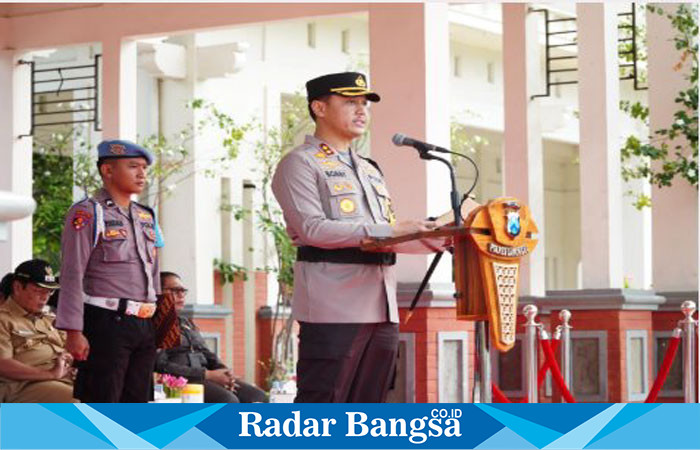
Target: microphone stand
point(454, 195)
point(482, 335)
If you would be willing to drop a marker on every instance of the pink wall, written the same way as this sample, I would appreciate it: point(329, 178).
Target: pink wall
point(397, 61)
point(4, 32)
point(102, 21)
point(398, 48)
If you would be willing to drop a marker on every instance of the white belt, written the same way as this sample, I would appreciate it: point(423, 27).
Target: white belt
point(143, 310)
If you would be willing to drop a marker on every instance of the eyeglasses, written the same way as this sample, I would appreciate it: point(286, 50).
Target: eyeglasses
point(177, 291)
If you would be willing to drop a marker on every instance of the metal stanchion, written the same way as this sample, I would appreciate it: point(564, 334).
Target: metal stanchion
point(484, 361)
point(688, 325)
point(531, 327)
point(565, 346)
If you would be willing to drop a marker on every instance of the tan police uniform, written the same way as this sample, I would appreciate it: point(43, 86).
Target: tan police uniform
point(33, 340)
point(109, 282)
point(344, 299)
point(330, 204)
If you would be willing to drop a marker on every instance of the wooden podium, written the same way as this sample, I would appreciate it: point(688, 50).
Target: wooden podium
point(487, 252)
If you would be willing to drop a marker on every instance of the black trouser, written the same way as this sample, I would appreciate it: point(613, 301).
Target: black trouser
point(120, 364)
point(245, 393)
point(346, 363)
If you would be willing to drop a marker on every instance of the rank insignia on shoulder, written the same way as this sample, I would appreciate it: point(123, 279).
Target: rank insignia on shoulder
point(145, 216)
point(347, 206)
point(80, 219)
point(320, 155)
point(326, 150)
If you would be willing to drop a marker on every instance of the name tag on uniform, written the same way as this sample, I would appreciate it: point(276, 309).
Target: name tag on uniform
point(24, 333)
point(115, 233)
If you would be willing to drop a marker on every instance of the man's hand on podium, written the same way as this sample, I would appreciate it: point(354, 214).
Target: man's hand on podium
point(413, 226)
point(468, 205)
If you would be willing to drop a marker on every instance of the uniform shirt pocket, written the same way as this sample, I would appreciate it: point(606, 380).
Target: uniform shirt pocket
point(25, 340)
point(384, 200)
point(345, 199)
point(150, 240)
point(114, 245)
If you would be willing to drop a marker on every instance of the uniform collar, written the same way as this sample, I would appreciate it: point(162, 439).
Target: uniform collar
point(105, 198)
point(13, 307)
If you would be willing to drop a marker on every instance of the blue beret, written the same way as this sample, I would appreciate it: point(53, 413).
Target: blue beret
point(117, 148)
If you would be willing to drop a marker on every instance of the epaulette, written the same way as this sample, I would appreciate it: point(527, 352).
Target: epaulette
point(147, 208)
point(373, 162)
point(160, 242)
point(86, 199)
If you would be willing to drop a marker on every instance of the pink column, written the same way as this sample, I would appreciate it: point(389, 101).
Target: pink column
point(675, 208)
point(15, 153)
point(409, 60)
point(522, 155)
point(4, 32)
point(599, 148)
point(119, 68)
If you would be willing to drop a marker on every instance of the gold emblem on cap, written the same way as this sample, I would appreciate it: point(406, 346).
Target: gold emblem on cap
point(347, 206)
point(360, 81)
point(49, 275)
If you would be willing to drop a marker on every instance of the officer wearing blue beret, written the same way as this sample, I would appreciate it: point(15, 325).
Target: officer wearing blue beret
point(110, 279)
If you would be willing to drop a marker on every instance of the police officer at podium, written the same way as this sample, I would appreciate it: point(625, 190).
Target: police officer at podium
point(344, 298)
point(109, 281)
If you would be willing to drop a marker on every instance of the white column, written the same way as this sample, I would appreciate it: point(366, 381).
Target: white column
point(15, 154)
point(186, 211)
point(119, 75)
point(522, 154)
point(227, 248)
point(674, 209)
point(409, 60)
point(599, 148)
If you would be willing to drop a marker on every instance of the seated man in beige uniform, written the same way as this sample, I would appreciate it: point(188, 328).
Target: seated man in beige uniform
point(344, 298)
point(34, 366)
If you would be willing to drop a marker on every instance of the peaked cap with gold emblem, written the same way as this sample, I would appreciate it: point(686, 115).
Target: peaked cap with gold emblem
point(347, 84)
point(37, 271)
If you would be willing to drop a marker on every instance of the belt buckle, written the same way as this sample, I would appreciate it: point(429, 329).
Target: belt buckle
point(387, 258)
point(146, 310)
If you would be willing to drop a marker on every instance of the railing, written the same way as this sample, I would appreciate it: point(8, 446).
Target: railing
point(535, 333)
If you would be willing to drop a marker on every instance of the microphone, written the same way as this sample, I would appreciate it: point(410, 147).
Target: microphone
point(400, 139)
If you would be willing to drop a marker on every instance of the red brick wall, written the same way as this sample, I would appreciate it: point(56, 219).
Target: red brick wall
point(218, 289)
point(425, 325)
point(214, 326)
point(264, 344)
point(239, 331)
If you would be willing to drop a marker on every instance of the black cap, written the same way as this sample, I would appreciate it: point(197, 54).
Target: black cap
point(347, 84)
point(37, 271)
